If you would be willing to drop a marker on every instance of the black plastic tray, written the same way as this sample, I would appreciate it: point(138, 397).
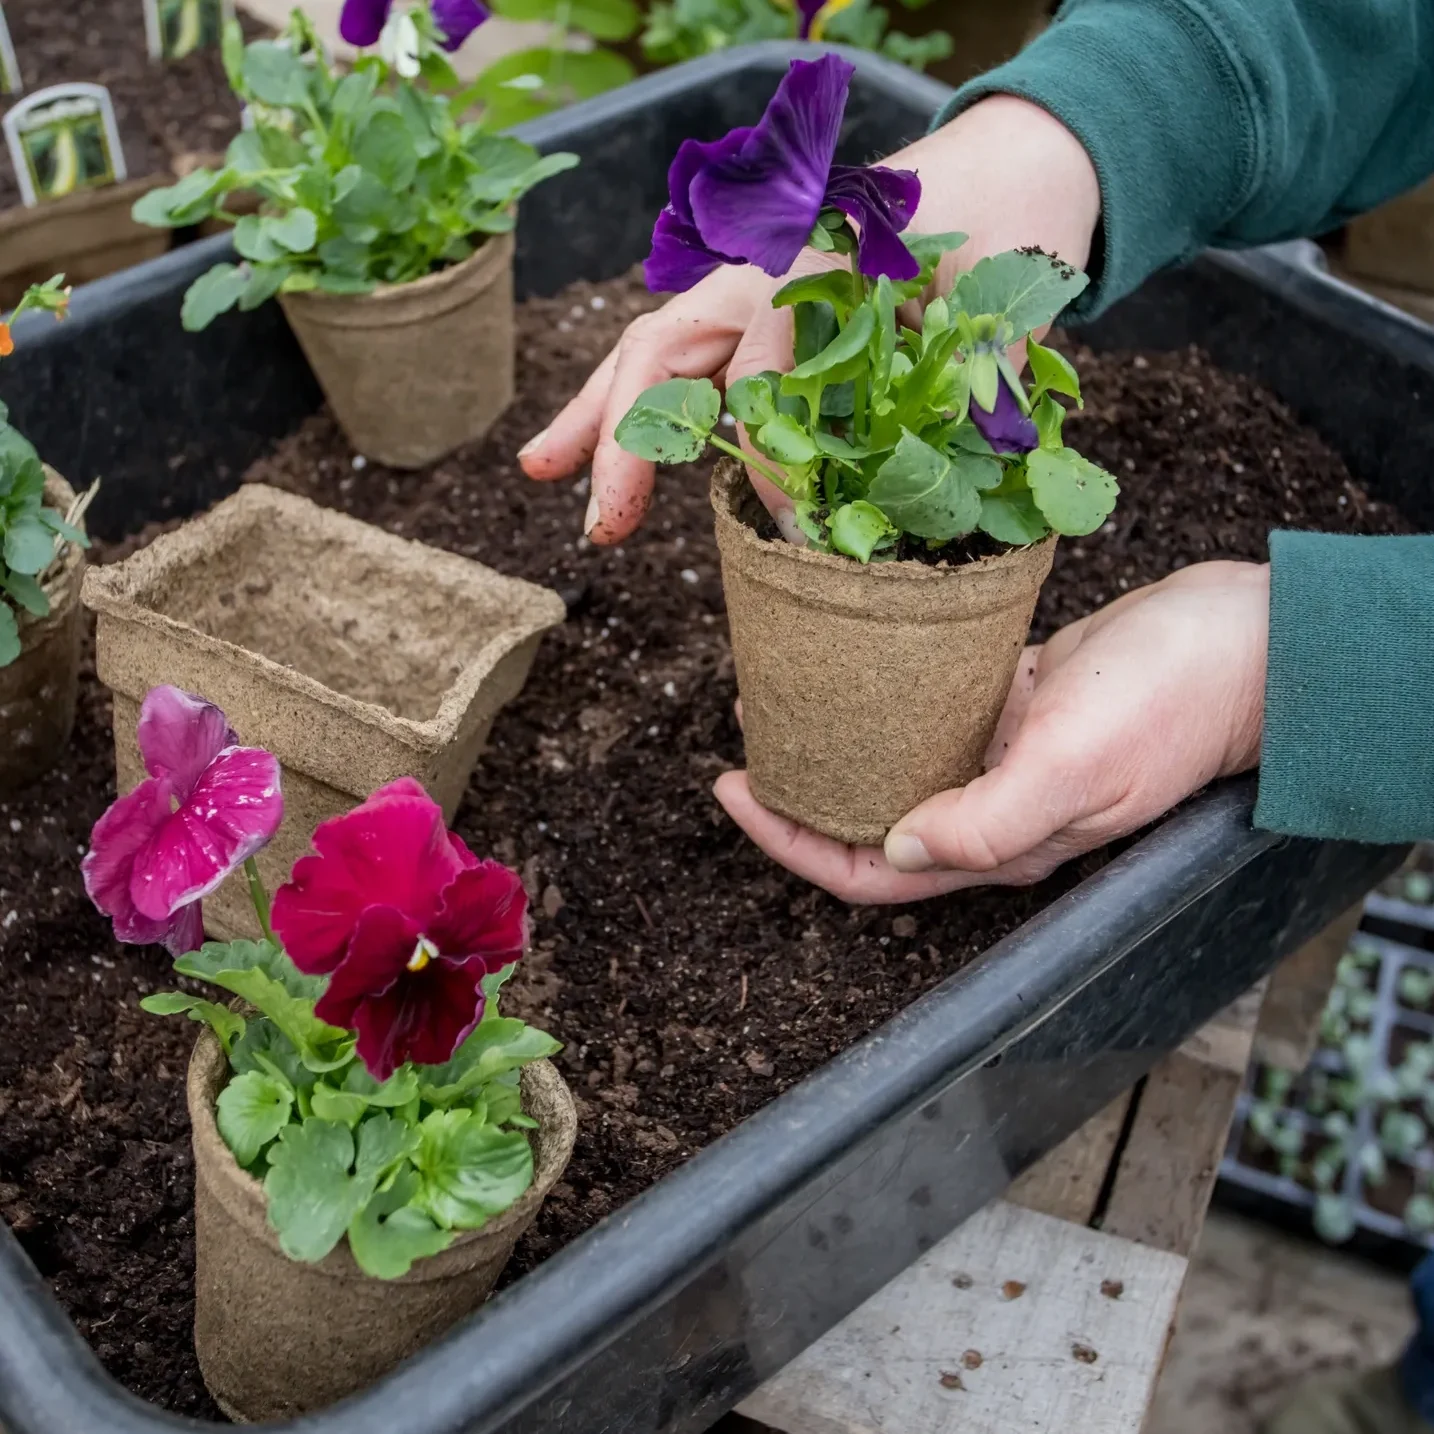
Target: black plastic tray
point(679, 1304)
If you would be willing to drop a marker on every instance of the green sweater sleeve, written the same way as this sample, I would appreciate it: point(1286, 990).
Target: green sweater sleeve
point(1229, 122)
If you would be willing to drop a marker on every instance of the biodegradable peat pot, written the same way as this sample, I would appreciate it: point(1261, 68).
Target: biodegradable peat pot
point(85, 236)
point(865, 689)
point(38, 689)
point(413, 370)
point(355, 656)
point(276, 1338)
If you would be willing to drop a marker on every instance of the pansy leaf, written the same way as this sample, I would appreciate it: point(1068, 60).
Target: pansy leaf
point(353, 92)
point(1073, 494)
point(295, 231)
point(1049, 417)
point(503, 1100)
point(397, 1090)
point(9, 636)
point(228, 1026)
point(858, 529)
point(785, 440)
point(928, 493)
point(494, 1048)
point(492, 987)
point(57, 525)
point(470, 1171)
point(212, 294)
point(311, 1193)
point(1027, 287)
point(29, 546)
point(264, 1047)
point(928, 249)
point(805, 514)
point(388, 1236)
point(253, 241)
point(383, 1141)
point(832, 286)
point(385, 149)
point(251, 1111)
point(1052, 371)
point(814, 326)
point(274, 75)
point(341, 1107)
point(1012, 518)
point(671, 422)
point(752, 400)
point(847, 345)
point(25, 592)
point(265, 280)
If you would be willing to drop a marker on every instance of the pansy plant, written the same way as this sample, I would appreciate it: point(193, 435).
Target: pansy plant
point(32, 535)
point(890, 440)
point(365, 178)
point(373, 1086)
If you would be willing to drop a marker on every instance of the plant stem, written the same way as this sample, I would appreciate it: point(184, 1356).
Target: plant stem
point(259, 897)
point(858, 281)
point(767, 471)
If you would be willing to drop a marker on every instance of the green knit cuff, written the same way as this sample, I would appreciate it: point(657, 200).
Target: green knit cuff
point(1161, 106)
point(1348, 746)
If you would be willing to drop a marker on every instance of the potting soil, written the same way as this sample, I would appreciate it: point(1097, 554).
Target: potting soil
point(691, 979)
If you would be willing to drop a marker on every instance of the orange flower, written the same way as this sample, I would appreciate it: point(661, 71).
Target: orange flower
point(7, 344)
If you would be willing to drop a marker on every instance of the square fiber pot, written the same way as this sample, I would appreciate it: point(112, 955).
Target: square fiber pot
point(355, 656)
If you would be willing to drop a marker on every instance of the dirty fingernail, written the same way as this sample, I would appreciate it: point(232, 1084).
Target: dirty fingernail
point(534, 443)
point(594, 515)
point(788, 527)
point(907, 853)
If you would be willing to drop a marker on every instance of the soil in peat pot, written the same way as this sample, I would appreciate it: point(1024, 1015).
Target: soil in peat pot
point(690, 978)
point(165, 110)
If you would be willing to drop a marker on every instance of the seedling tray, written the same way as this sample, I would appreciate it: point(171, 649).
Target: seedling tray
point(679, 1304)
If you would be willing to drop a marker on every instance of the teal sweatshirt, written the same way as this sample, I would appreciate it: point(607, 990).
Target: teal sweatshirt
point(1242, 122)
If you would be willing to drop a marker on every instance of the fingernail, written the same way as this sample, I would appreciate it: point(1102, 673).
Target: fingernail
point(788, 527)
point(594, 516)
point(907, 853)
point(535, 442)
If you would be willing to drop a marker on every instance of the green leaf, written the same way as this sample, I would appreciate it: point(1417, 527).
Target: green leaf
point(312, 1195)
point(29, 546)
point(602, 19)
point(253, 241)
point(186, 202)
point(228, 1025)
point(9, 636)
point(383, 1141)
point(671, 422)
point(1052, 371)
point(858, 529)
point(265, 280)
point(928, 249)
point(832, 286)
point(21, 465)
point(1049, 416)
point(1075, 496)
point(847, 345)
point(212, 294)
point(805, 513)
point(752, 400)
point(341, 1107)
point(274, 75)
point(470, 1171)
point(388, 1236)
point(785, 440)
point(397, 1090)
point(495, 1048)
point(385, 149)
point(353, 93)
point(251, 1111)
point(262, 975)
point(1027, 288)
point(821, 239)
point(57, 525)
point(928, 493)
point(295, 231)
point(1012, 518)
point(26, 592)
point(492, 987)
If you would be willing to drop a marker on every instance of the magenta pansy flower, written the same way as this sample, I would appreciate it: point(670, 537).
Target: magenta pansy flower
point(405, 921)
point(1006, 428)
point(361, 22)
point(207, 805)
point(753, 196)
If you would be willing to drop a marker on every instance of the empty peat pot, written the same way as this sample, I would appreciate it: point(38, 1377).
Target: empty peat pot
point(413, 370)
point(356, 657)
point(38, 690)
point(865, 688)
point(276, 1338)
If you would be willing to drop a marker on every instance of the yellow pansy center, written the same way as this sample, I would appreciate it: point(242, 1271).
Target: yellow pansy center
point(423, 953)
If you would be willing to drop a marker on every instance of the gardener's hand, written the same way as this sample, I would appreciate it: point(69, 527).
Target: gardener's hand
point(1005, 172)
point(1115, 720)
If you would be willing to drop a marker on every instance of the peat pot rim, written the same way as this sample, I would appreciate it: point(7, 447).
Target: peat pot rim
point(242, 1196)
point(416, 301)
point(116, 590)
point(898, 591)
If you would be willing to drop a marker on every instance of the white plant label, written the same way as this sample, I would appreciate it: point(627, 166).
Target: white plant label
point(64, 139)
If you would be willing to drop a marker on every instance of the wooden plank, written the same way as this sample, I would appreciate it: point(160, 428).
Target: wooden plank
point(1288, 1031)
point(1016, 1321)
point(1067, 1182)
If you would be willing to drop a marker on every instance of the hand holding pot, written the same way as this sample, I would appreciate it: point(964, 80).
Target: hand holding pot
point(1112, 722)
point(1005, 172)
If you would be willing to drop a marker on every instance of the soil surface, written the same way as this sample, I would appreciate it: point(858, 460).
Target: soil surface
point(691, 979)
point(165, 111)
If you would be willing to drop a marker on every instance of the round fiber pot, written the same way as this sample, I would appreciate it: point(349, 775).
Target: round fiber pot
point(38, 689)
point(865, 689)
point(276, 1338)
point(413, 370)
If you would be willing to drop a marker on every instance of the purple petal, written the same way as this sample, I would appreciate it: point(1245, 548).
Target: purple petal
point(679, 258)
point(882, 202)
point(361, 22)
point(693, 156)
point(125, 830)
point(1006, 428)
point(180, 735)
point(458, 19)
point(807, 10)
point(760, 203)
point(234, 809)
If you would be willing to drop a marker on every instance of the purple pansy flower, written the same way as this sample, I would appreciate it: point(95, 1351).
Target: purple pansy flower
point(1005, 428)
point(753, 196)
point(361, 21)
